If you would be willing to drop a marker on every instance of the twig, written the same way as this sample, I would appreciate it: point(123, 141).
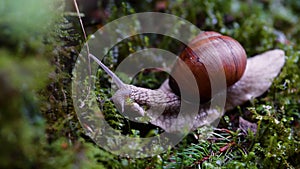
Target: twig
point(84, 35)
point(87, 46)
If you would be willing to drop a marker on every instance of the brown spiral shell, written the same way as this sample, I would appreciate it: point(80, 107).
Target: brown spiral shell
point(208, 46)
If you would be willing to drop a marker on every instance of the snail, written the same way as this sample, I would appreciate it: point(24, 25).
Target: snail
point(245, 80)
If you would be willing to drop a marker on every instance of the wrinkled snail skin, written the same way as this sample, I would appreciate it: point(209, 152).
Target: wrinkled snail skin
point(161, 106)
point(146, 102)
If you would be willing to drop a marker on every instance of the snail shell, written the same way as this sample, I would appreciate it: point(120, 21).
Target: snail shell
point(212, 46)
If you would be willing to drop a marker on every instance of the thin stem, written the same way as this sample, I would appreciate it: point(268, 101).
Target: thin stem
point(116, 79)
point(84, 35)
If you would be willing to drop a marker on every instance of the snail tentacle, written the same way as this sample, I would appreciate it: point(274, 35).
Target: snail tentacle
point(120, 84)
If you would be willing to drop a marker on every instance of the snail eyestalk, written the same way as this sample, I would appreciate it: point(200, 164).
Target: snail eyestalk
point(114, 77)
